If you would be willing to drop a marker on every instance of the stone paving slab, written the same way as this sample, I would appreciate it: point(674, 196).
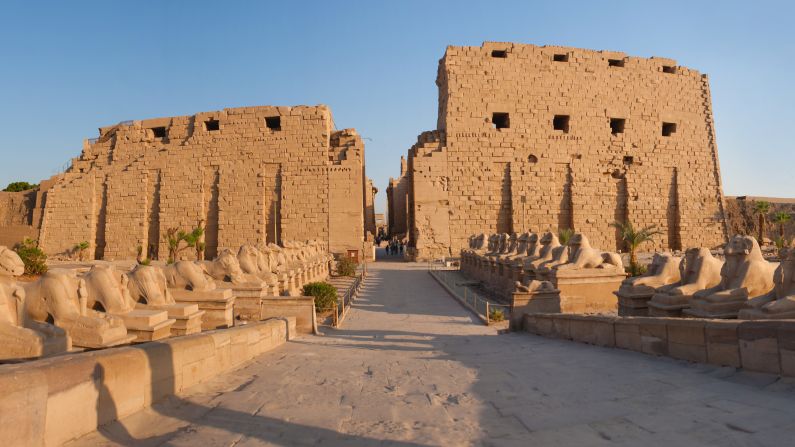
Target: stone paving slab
point(413, 367)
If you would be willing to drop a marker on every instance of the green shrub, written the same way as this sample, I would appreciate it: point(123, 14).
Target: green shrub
point(20, 186)
point(346, 267)
point(496, 314)
point(325, 295)
point(635, 269)
point(34, 257)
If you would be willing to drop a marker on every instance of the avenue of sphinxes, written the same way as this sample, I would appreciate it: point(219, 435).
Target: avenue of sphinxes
point(249, 175)
point(557, 264)
point(547, 137)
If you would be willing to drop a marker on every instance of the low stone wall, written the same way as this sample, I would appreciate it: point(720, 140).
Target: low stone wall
point(302, 308)
point(761, 346)
point(51, 401)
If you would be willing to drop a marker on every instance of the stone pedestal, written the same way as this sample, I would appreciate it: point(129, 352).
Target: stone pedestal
point(147, 324)
point(666, 305)
point(86, 337)
point(761, 314)
point(188, 317)
point(633, 300)
point(587, 290)
point(21, 343)
point(217, 305)
point(701, 308)
point(533, 302)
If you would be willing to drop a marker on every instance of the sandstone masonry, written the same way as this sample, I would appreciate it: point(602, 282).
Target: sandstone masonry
point(537, 138)
point(250, 174)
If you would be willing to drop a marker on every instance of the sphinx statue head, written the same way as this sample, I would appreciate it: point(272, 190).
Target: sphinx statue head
point(248, 257)
point(10, 263)
point(147, 285)
point(107, 290)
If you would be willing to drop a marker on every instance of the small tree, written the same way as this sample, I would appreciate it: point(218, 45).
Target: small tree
point(32, 256)
point(633, 238)
point(564, 235)
point(194, 239)
point(174, 239)
point(81, 248)
point(781, 218)
point(761, 209)
point(20, 186)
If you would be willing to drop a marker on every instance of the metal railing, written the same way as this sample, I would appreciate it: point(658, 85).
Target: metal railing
point(484, 308)
point(344, 303)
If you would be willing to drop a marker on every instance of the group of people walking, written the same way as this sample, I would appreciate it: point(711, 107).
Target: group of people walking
point(394, 246)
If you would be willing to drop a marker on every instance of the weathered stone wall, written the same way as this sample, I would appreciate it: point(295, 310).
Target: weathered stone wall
point(16, 214)
point(397, 202)
point(742, 219)
point(531, 139)
point(250, 175)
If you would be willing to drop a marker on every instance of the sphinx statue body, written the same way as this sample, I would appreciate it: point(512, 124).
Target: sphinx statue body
point(698, 270)
point(60, 297)
point(779, 303)
point(108, 292)
point(745, 275)
point(255, 263)
point(148, 288)
point(583, 256)
point(634, 293)
point(22, 338)
point(191, 283)
point(551, 257)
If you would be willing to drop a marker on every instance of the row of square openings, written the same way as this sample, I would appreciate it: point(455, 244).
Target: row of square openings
point(273, 123)
point(502, 120)
point(563, 57)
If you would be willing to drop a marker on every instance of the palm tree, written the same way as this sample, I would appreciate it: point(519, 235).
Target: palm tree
point(781, 218)
point(761, 208)
point(564, 235)
point(634, 238)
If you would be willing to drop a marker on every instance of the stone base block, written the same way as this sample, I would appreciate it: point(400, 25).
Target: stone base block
point(217, 305)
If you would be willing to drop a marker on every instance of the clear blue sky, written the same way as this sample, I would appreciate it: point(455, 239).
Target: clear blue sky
point(69, 67)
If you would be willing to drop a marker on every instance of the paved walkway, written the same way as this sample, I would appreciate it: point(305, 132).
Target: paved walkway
point(412, 367)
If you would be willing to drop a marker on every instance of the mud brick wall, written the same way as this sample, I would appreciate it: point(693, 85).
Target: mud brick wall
point(551, 137)
point(249, 175)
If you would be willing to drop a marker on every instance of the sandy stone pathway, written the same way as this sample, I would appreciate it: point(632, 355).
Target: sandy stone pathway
point(412, 367)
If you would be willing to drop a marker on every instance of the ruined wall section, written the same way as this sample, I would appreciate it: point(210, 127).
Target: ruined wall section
point(430, 200)
point(70, 214)
point(249, 175)
point(397, 202)
point(598, 112)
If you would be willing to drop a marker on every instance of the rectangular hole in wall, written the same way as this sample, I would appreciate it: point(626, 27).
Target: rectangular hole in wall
point(560, 58)
point(212, 125)
point(499, 54)
point(615, 62)
point(274, 122)
point(617, 125)
point(501, 120)
point(561, 122)
point(159, 132)
point(668, 69)
point(628, 160)
point(668, 129)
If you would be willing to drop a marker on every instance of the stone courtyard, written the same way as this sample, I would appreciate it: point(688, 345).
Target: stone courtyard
point(410, 366)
